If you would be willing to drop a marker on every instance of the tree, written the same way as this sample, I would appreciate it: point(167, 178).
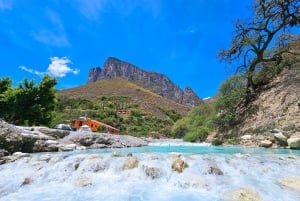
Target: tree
point(264, 39)
point(28, 103)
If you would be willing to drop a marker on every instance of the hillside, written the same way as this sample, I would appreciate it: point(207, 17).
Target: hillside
point(153, 81)
point(149, 102)
point(277, 106)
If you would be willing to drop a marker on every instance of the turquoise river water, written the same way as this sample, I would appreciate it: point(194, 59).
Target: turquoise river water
point(97, 175)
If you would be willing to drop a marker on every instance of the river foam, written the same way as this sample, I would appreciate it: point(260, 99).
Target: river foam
point(96, 175)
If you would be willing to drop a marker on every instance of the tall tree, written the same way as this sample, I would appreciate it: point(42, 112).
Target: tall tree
point(264, 39)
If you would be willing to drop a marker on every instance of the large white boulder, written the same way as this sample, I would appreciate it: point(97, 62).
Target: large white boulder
point(294, 141)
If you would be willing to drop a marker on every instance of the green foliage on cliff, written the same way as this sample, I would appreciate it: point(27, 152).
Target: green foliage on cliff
point(231, 94)
point(198, 124)
point(28, 103)
point(105, 109)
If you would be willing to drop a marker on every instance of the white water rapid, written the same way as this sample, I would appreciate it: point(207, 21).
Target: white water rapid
point(97, 175)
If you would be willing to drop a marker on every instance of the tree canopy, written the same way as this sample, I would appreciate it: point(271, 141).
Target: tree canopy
point(28, 103)
point(263, 39)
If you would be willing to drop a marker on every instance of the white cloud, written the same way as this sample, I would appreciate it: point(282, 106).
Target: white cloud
point(32, 71)
point(57, 68)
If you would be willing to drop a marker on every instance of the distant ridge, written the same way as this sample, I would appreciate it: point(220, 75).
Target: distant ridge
point(155, 82)
point(149, 102)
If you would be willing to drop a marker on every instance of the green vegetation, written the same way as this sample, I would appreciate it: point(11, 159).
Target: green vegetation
point(28, 103)
point(105, 109)
point(197, 125)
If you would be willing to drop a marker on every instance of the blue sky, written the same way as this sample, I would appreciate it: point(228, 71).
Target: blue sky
point(65, 38)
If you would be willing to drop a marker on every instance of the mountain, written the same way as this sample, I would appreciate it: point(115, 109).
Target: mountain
point(149, 102)
point(153, 81)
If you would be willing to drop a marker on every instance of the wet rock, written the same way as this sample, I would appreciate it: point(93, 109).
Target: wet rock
point(294, 141)
point(279, 137)
point(214, 169)
point(179, 165)
point(130, 163)
point(68, 147)
point(97, 146)
point(26, 181)
point(245, 194)
point(152, 172)
point(265, 143)
point(83, 182)
point(116, 154)
point(19, 155)
point(3, 153)
point(291, 182)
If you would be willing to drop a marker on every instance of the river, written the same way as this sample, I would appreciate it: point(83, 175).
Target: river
point(97, 175)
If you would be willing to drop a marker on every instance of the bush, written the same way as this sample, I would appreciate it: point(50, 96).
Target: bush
point(217, 142)
point(199, 134)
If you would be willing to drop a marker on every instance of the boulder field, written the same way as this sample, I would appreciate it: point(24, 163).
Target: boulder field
point(42, 139)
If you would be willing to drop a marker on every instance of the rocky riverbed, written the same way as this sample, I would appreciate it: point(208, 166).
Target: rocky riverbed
point(42, 139)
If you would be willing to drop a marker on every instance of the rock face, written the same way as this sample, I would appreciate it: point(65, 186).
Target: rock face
point(156, 82)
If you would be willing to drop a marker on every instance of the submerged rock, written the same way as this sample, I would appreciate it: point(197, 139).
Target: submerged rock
point(244, 194)
point(27, 181)
point(116, 154)
point(291, 182)
point(83, 182)
point(179, 165)
point(214, 169)
point(152, 172)
point(130, 163)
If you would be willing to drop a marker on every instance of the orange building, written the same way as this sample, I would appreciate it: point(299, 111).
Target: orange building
point(94, 124)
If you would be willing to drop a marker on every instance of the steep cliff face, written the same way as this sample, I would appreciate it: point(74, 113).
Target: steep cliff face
point(156, 82)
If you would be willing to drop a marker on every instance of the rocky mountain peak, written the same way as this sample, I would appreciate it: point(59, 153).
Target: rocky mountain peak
point(156, 82)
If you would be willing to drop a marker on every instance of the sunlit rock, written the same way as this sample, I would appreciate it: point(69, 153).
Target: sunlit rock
point(130, 163)
point(244, 194)
point(178, 165)
point(247, 140)
point(279, 137)
point(69, 147)
point(291, 182)
point(83, 182)
point(294, 141)
point(19, 155)
point(116, 154)
point(265, 143)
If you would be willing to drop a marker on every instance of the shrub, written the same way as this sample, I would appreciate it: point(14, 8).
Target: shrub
point(199, 134)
